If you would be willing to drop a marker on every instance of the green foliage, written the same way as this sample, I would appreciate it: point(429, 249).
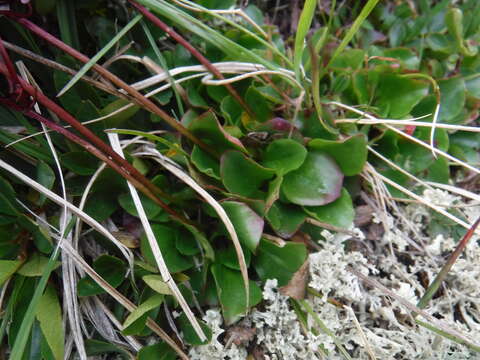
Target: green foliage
point(270, 162)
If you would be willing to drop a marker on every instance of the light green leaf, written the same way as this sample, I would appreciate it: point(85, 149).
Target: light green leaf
point(49, 315)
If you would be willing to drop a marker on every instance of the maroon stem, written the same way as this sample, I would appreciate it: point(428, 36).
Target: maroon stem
point(203, 60)
point(121, 165)
point(139, 98)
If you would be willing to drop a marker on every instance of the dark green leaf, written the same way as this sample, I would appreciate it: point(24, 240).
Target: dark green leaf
point(189, 334)
point(338, 213)
point(166, 238)
point(398, 95)
point(235, 168)
point(207, 128)
point(284, 155)
point(258, 104)
point(317, 182)
point(231, 292)
point(80, 162)
point(205, 162)
point(350, 154)
point(151, 209)
point(285, 219)
point(248, 225)
point(159, 351)
point(135, 321)
point(46, 177)
point(112, 269)
point(452, 98)
point(279, 262)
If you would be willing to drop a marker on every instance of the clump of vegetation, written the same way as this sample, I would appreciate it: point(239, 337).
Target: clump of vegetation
point(163, 162)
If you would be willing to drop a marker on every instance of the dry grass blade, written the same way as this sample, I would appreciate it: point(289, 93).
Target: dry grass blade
point(432, 289)
point(127, 304)
point(178, 172)
point(368, 347)
point(152, 241)
point(75, 210)
point(454, 334)
point(418, 198)
point(412, 138)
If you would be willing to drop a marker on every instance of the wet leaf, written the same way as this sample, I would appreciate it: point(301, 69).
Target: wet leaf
point(284, 155)
point(279, 262)
point(235, 168)
point(231, 292)
point(338, 213)
point(247, 224)
point(317, 182)
point(112, 269)
point(350, 154)
point(285, 219)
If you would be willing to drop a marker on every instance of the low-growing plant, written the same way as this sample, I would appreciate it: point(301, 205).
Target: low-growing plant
point(244, 145)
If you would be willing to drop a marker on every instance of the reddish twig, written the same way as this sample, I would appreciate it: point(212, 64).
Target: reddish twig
point(203, 60)
point(135, 95)
point(432, 289)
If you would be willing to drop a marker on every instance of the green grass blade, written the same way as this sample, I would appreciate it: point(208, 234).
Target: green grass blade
point(100, 54)
point(163, 63)
point(321, 325)
point(304, 24)
point(367, 9)
point(189, 23)
point(27, 322)
point(67, 23)
point(26, 326)
point(241, 28)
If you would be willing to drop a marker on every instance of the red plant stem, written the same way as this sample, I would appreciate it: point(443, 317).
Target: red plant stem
point(203, 60)
point(106, 154)
point(139, 98)
point(95, 152)
point(432, 289)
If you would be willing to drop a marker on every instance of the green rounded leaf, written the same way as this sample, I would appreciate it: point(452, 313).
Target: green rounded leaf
point(135, 321)
point(398, 95)
point(285, 219)
point(231, 292)
point(151, 209)
point(317, 182)
point(279, 262)
point(112, 269)
point(241, 175)
point(338, 213)
point(350, 154)
point(284, 155)
point(160, 351)
point(208, 129)
point(247, 224)
point(189, 334)
point(80, 162)
point(452, 98)
point(205, 163)
point(7, 269)
point(166, 237)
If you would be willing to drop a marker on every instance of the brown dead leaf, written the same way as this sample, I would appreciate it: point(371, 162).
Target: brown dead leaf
point(297, 285)
point(240, 335)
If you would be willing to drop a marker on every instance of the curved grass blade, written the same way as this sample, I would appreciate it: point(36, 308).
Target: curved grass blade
point(88, 65)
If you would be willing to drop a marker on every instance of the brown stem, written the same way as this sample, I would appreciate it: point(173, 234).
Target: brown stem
point(118, 168)
point(106, 152)
point(139, 98)
point(203, 60)
point(57, 66)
